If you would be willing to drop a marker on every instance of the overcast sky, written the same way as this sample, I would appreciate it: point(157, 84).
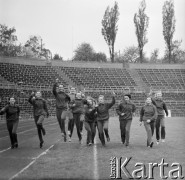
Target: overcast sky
point(64, 24)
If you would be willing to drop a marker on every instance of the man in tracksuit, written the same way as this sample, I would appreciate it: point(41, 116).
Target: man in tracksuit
point(125, 111)
point(161, 109)
point(40, 111)
point(77, 107)
point(12, 111)
point(148, 116)
point(103, 116)
point(62, 100)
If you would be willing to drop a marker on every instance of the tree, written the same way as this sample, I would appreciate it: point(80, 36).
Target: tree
point(130, 55)
point(168, 25)
point(154, 56)
point(100, 57)
point(8, 41)
point(110, 27)
point(35, 45)
point(36, 48)
point(84, 52)
point(141, 21)
point(57, 57)
point(46, 53)
point(177, 54)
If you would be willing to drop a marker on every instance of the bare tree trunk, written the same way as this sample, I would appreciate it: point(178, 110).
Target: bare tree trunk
point(141, 55)
point(112, 54)
point(169, 55)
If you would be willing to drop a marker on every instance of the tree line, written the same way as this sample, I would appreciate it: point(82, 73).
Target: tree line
point(173, 52)
point(34, 46)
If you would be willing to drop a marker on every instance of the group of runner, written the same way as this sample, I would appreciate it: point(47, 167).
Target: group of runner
point(90, 113)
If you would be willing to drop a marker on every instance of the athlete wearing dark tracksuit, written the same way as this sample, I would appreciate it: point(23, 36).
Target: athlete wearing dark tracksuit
point(90, 123)
point(125, 111)
point(39, 112)
point(102, 119)
point(12, 120)
point(77, 107)
point(62, 100)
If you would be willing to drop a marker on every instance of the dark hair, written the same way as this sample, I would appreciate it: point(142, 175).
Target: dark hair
point(129, 95)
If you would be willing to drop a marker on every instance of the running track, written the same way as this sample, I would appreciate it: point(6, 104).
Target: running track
point(14, 160)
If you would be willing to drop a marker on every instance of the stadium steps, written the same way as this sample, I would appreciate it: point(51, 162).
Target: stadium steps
point(138, 79)
point(4, 82)
point(64, 76)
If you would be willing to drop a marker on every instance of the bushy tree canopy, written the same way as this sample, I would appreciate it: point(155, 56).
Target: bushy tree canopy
point(130, 55)
point(85, 52)
point(35, 48)
point(8, 41)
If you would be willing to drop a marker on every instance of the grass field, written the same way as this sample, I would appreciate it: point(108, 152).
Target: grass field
point(71, 160)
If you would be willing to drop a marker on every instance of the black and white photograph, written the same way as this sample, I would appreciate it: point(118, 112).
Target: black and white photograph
point(92, 89)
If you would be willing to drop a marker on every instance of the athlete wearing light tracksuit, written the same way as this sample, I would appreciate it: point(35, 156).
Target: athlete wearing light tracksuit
point(148, 116)
point(160, 122)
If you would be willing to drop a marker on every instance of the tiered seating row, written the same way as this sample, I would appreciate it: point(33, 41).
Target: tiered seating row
point(164, 79)
point(100, 77)
point(30, 74)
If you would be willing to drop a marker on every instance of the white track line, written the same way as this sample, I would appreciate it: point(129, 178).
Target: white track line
point(96, 174)
point(22, 132)
point(4, 150)
point(34, 160)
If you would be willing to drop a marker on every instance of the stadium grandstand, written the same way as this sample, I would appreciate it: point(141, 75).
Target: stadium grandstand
point(20, 77)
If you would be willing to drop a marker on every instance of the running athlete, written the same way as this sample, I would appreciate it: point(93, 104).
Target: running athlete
point(89, 121)
point(125, 110)
point(40, 111)
point(160, 122)
point(62, 101)
point(148, 116)
point(77, 107)
point(102, 109)
point(72, 95)
point(12, 111)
